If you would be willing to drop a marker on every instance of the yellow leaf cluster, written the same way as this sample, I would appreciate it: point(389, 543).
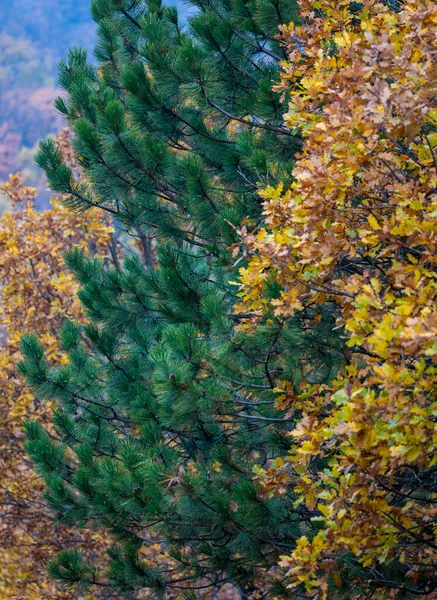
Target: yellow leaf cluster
point(37, 295)
point(358, 228)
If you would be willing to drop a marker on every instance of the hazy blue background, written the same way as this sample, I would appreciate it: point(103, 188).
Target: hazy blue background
point(34, 36)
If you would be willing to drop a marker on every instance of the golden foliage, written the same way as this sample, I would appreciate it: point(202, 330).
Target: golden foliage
point(37, 295)
point(358, 230)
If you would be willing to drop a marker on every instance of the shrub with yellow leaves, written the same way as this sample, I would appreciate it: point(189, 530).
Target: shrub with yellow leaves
point(357, 230)
point(37, 295)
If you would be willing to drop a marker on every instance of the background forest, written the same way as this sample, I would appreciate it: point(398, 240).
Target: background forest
point(34, 36)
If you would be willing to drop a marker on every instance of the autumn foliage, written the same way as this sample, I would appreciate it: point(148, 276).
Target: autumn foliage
point(303, 423)
point(37, 295)
point(357, 233)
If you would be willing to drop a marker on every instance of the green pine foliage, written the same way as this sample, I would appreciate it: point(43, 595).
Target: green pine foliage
point(167, 405)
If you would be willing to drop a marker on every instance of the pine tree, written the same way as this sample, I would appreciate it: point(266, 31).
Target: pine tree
point(166, 408)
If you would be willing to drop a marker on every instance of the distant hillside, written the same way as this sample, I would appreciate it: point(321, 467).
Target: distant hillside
point(34, 36)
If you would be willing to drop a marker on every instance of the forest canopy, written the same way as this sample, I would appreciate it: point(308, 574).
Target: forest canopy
point(241, 399)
